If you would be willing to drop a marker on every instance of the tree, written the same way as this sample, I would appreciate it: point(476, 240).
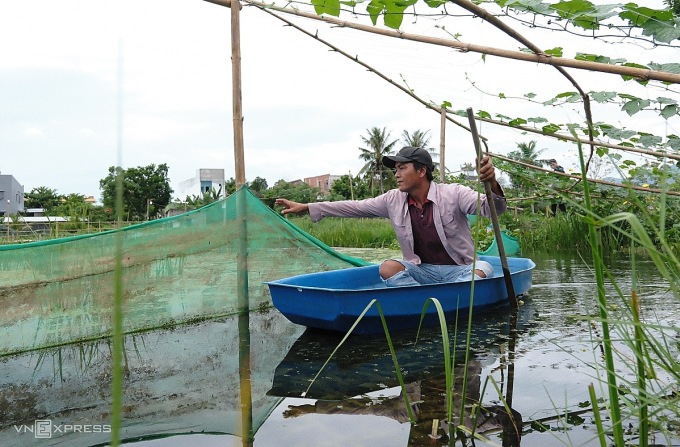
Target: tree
point(145, 190)
point(420, 139)
point(258, 186)
point(378, 146)
point(42, 197)
point(525, 153)
point(349, 188)
point(297, 192)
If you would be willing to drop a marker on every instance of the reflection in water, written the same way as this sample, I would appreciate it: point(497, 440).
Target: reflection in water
point(356, 379)
point(185, 379)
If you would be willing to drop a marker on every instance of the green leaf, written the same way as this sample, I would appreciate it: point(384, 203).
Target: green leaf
point(446, 104)
point(550, 128)
point(536, 6)
point(669, 111)
point(649, 140)
point(502, 96)
point(670, 68)
point(539, 119)
point(573, 9)
point(530, 95)
point(673, 142)
point(483, 114)
point(517, 122)
point(330, 7)
point(374, 9)
point(601, 151)
point(435, 3)
point(662, 31)
point(557, 52)
point(638, 16)
point(602, 97)
point(634, 106)
point(664, 100)
point(503, 117)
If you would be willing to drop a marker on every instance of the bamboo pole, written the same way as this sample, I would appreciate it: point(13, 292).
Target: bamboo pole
point(237, 106)
point(578, 177)
point(545, 59)
point(494, 217)
point(245, 388)
point(442, 147)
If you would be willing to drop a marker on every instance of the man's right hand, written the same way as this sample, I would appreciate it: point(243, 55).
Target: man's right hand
point(292, 207)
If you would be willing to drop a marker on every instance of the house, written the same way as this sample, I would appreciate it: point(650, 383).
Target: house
point(323, 182)
point(205, 181)
point(11, 195)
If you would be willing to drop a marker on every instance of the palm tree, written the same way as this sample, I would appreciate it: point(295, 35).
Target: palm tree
point(420, 139)
point(526, 153)
point(377, 147)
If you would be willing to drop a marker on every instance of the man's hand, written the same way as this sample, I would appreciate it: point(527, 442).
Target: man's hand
point(487, 173)
point(292, 207)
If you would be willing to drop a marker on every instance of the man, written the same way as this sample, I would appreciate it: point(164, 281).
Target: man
point(561, 205)
point(429, 219)
point(555, 166)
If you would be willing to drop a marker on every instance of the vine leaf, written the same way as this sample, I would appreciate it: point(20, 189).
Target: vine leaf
point(634, 106)
point(557, 52)
point(669, 111)
point(603, 97)
point(330, 7)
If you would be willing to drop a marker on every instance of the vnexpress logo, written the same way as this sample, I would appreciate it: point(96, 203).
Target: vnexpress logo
point(44, 428)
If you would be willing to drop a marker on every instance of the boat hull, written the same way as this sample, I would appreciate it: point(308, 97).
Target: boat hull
point(333, 300)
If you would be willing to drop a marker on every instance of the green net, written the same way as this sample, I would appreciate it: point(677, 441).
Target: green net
point(176, 270)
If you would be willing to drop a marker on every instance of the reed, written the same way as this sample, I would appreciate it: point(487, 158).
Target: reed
point(632, 345)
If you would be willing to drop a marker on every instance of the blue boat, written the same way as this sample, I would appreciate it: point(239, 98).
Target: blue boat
point(333, 300)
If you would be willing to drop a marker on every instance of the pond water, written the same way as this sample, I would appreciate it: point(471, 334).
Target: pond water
point(188, 380)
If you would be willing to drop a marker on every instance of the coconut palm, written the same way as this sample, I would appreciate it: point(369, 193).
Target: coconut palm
point(420, 139)
point(526, 153)
point(378, 145)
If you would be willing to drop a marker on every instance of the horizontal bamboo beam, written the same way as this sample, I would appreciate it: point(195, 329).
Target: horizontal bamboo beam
point(638, 73)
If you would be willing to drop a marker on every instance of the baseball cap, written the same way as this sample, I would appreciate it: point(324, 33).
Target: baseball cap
point(409, 154)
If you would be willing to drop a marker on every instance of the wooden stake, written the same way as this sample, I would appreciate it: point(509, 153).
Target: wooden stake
point(237, 109)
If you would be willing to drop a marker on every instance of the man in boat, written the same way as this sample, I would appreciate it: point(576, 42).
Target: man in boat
point(430, 220)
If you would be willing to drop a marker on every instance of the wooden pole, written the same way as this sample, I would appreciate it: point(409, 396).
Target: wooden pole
point(247, 435)
point(237, 106)
point(442, 147)
point(494, 217)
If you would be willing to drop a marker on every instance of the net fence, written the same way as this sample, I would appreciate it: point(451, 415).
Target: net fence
point(175, 270)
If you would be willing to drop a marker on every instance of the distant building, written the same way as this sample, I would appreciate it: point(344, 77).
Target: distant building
point(11, 195)
point(323, 182)
point(205, 181)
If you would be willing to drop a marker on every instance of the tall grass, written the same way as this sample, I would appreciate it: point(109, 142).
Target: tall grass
point(634, 346)
point(358, 233)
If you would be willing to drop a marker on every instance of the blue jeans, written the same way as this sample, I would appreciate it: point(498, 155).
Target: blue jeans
point(416, 274)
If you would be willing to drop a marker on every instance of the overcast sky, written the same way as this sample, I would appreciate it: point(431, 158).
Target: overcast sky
point(305, 107)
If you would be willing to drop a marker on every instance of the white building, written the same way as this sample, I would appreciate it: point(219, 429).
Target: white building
point(205, 181)
point(11, 195)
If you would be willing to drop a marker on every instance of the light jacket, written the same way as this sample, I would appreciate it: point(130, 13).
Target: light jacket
point(451, 205)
